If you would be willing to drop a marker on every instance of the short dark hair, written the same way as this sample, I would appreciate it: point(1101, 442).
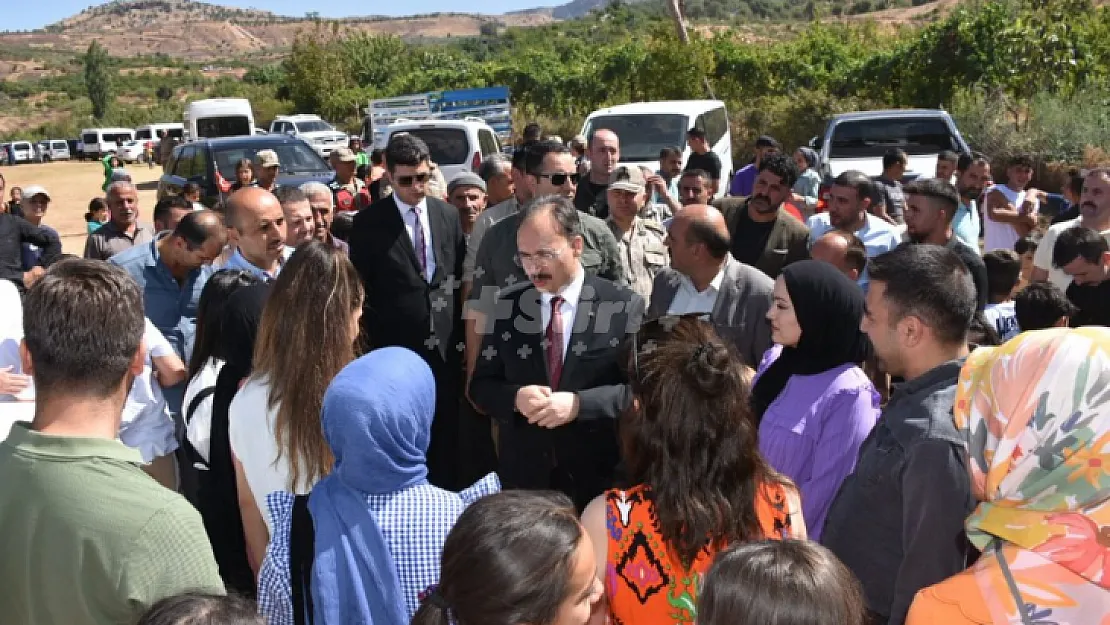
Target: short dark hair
point(532, 132)
point(937, 191)
point(519, 156)
point(1027, 244)
point(857, 180)
point(782, 166)
point(405, 149)
point(699, 173)
point(83, 323)
point(767, 141)
point(948, 156)
point(1003, 272)
point(535, 152)
point(377, 156)
point(696, 133)
point(894, 156)
point(244, 163)
point(855, 252)
point(757, 579)
point(190, 188)
point(670, 152)
point(341, 225)
point(717, 243)
point(167, 205)
point(560, 208)
point(290, 194)
point(1022, 160)
point(1041, 305)
point(1079, 242)
point(362, 171)
point(97, 204)
point(198, 609)
point(931, 283)
point(491, 166)
point(198, 227)
point(967, 160)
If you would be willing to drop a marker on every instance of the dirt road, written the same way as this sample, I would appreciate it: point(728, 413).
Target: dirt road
point(71, 185)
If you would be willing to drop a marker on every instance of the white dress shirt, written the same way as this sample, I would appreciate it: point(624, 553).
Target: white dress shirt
point(570, 294)
point(688, 299)
point(409, 217)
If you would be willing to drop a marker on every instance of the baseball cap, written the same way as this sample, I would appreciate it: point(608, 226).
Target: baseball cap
point(267, 158)
point(33, 190)
point(627, 178)
point(344, 155)
point(466, 179)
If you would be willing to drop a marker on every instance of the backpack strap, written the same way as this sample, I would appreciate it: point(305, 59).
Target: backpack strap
point(204, 394)
point(302, 547)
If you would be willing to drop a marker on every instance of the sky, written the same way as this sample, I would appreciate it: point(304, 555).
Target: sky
point(52, 11)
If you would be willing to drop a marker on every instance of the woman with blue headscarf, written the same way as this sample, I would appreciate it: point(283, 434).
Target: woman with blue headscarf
point(809, 179)
point(366, 542)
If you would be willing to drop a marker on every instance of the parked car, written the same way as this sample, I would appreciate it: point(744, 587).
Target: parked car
point(21, 152)
point(322, 136)
point(211, 164)
point(53, 150)
point(456, 145)
point(859, 141)
point(132, 151)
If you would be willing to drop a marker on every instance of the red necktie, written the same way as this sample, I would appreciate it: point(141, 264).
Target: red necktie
point(554, 337)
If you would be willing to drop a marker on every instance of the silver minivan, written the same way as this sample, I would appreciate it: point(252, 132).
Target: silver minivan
point(53, 150)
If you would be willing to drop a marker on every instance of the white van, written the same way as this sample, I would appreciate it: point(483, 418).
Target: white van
point(645, 128)
point(21, 152)
point(455, 145)
point(53, 150)
point(218, 117)
point(97, 142)
point(150, 132)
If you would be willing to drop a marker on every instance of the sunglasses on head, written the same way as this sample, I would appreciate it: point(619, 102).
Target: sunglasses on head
point(560, 179)
point(406, 181)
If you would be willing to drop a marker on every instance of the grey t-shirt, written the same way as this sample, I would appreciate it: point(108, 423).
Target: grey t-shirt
point(889, 192)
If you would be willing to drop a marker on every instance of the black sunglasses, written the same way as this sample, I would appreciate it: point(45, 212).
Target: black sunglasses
point(406, 181)
point(560, 179)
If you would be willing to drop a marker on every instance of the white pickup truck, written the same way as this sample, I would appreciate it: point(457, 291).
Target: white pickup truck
point(859, 140)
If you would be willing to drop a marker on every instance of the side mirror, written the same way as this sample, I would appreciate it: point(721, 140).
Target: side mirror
point(815, 143)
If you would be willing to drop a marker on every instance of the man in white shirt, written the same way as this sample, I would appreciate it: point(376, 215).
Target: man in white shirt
point(705, 279)
point(256, 224)
point(549, 373)
point(1011, 211)
point(849, 201)
point(1094, 213)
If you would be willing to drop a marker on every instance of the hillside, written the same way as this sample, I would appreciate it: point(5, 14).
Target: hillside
point(199, 31)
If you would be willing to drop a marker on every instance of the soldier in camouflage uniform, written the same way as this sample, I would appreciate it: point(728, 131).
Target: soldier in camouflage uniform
point(640, 241)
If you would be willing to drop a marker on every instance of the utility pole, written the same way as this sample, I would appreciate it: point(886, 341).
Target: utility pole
point(676, 10)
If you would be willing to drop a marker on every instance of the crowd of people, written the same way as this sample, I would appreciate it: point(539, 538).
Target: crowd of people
point(562, 390)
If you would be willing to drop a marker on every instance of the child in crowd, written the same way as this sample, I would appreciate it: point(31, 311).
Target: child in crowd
point(1003, 272)
point(1042, 305)
point(97, 214)
point(1026, 248)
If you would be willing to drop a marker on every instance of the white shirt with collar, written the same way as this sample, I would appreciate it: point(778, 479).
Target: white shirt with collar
point(569, 306)
point(409, 217)
point(238, 261)
point(687, 299)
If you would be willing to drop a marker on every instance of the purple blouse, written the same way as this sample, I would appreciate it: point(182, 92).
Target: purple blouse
point(813, 430)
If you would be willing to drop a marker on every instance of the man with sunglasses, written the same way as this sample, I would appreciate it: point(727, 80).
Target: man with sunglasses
point(409, 250)
point(548, 169)
point(549, 371)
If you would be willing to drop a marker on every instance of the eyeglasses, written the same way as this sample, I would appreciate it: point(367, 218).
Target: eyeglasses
point(406, 181)
point(560, 179)
point(540, 257)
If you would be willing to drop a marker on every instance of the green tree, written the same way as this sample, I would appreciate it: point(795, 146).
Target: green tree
point(98, 79)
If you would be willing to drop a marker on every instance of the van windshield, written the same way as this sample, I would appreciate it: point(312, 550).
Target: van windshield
point(642, 137)
point(314, 126)
point(874, 137)
point(116, 137)
point(446, 146)
point(229, 126)
point(88, 138)
point(142, 134)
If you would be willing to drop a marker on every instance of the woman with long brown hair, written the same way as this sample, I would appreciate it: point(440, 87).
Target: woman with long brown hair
point(699, 483)
point(307, 335)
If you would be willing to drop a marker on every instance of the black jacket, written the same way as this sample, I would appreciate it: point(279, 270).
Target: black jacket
point(14, 231)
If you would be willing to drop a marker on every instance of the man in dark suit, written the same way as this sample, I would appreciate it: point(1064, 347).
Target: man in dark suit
point(764, 235)
point(549, 371)
point(409, 250)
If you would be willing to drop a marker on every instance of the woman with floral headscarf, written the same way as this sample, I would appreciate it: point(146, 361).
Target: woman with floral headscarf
point(1034, 414)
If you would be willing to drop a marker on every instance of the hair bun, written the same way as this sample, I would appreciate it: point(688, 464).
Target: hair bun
point(708, 367)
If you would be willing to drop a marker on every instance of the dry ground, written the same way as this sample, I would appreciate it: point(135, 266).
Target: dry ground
point(71, 185)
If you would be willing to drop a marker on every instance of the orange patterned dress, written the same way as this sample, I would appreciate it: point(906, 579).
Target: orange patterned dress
point(645, 581)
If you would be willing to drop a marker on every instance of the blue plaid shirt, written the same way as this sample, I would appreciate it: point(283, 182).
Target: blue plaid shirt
point(415, 523)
